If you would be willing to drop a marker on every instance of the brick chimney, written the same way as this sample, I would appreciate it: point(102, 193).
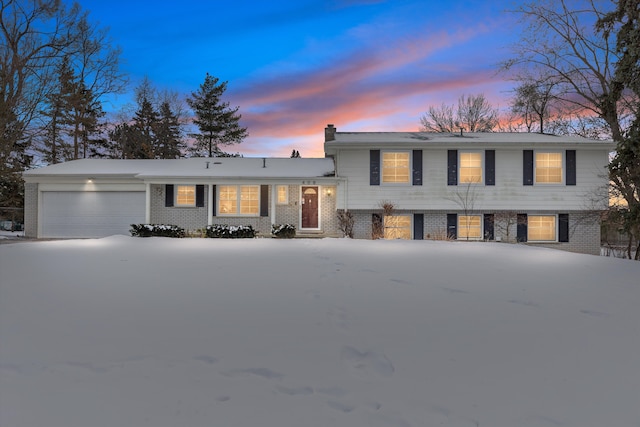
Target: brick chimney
point(329, 133)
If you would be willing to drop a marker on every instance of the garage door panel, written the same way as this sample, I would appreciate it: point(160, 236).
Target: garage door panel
point(90, 213)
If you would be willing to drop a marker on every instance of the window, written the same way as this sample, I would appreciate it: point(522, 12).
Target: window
point(283, 194)
point(395, 167)
point(469, 227)
point(397, 227)
point(239, 200)
point(185, 195)
point(470, 167)
point(541, 228)
point(249, 200)
point(548, 168)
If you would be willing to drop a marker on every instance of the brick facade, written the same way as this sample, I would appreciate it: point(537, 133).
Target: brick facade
point(584, 228)
point(31, 214)
point(195, 218)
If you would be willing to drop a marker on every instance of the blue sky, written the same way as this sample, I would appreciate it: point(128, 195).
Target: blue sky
point(293, 67)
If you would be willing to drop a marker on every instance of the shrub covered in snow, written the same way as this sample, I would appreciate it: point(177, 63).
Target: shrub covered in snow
point(156, 230)
point(225, 231)
point(283, 231)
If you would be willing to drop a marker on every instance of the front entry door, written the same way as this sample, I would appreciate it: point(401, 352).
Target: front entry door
point(309, 207)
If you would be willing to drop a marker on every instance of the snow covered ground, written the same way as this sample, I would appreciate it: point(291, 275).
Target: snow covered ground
point(156, 332)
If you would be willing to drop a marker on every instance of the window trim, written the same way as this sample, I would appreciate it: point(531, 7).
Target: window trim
point(409, 154)
point(461, 227)
point(482, 167)
point(286, 195)
point(176, 190)
point(237, 213)
point(563, 167)
point(555, 228)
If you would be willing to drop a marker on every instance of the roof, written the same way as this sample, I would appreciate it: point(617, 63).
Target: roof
point(480, 138)
point(195, 167)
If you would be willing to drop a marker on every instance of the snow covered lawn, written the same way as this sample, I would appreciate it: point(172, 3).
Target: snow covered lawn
point(159, 332)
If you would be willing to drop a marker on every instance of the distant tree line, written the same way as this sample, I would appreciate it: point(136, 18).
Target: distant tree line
point(56, 70)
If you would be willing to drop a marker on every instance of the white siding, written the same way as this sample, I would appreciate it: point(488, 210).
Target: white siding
point(508, 193)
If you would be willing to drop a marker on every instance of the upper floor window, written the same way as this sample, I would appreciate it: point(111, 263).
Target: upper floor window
point(185, 195)
point(470, 167)
point(396, 167)
point(239, 200)
point(283, 194)
point(548, 168)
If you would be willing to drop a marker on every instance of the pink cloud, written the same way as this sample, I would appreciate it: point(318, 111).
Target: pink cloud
point(363, 86)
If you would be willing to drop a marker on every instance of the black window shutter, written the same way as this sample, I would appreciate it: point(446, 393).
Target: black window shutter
point(452, 167)
point(168, 195)
point(417, 167)
point(264, 200)
point(418, 226)
point(571, 167)
point(490, 167)
point(563, 227)
point(213, 200)
point(521, 235)
point(488, 226)
point(374, 167)
point(199, 196)
point(527, 167)
point(452, 226)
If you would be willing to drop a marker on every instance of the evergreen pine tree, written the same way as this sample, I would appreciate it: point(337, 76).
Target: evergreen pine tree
point(144, 123)
point(169, 143)
point(54, 148)
point(218, 123)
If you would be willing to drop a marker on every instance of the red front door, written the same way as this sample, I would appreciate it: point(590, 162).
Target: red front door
point(309, 207)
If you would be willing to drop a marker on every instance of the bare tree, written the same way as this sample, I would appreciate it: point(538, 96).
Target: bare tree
point(533, 101)
point(466, 197)
point(474, 114)
point(438, 119)
point(34, 36)
point(558, 42)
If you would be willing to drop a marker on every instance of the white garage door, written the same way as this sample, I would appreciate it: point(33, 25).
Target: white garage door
point(90, 213)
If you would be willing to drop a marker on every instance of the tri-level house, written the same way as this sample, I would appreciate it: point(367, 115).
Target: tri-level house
point(525, 187)
point(520, 187)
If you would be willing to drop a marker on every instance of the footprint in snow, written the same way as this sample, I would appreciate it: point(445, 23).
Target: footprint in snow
point(206, 359)
point(366, 362)
point(295, 391)
point(260, 372)
point(527, 303)
point(455, 291)
point(338, 317)
point(341, 406)
point(595, 313)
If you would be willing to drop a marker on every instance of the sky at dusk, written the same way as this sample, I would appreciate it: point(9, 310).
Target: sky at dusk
point(294, 66)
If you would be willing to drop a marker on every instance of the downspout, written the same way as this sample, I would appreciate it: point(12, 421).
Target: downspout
point(210, 195)
point(147, 203)
point(274, 196)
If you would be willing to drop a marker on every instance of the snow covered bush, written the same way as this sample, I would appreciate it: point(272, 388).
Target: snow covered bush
point(156, 230)
point(283, 231)
point(225, 231)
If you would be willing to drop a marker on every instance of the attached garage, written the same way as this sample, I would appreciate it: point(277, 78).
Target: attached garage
point(90, 213)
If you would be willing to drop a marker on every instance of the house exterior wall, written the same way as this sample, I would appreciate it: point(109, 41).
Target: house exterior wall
point(507, 193)
point(31, 210)
point(189, 218)
point(195, 218)
point(584, 227)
